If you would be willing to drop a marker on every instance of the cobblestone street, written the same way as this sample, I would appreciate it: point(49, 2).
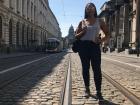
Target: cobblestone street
point(45, 84)
point(128, 78)
point(46, 92)
point(111, 95)
point(49, 47)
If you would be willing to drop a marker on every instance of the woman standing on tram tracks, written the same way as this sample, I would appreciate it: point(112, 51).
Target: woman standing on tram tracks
point(87, 32)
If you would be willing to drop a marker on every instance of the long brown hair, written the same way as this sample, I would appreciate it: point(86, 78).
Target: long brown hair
point(86, 14)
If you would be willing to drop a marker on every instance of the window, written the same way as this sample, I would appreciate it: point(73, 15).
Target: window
point(23, 28)
point(35, 13)
point(2, 1)
point(17, 6)
point(31, 11)
point(28, 36)
point(28, 8)
point(10, 4)
point(23, 8)
point(17, 34)
point(10, 32)
point(0, 27)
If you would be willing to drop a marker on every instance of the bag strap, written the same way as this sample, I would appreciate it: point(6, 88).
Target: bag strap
point(83, 23)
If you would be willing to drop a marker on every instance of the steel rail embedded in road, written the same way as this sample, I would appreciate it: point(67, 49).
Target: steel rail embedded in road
point(66, 91)
point(121, 62)
point(132, 97)
point(135, 67)
point(22, 65)
point(123, 55)
point(19, 55)
point(2, 85)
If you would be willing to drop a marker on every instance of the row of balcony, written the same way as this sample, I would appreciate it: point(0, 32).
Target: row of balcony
point(113, 5)
point(119, 15)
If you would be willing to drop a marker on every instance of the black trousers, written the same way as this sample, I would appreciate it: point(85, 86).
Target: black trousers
point(91, 53)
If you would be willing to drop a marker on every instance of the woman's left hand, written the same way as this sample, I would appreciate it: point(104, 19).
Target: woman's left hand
point(98, 40)
point(105, 40)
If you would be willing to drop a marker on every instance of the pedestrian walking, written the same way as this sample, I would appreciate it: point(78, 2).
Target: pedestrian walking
point(88, 34)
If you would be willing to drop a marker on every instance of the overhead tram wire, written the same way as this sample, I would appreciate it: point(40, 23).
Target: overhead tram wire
point(63, 8)
point(88, 1)
point(64, 14)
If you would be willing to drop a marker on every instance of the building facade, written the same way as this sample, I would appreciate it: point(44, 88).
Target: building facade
point(71, 35)
point(120, 15)
point(26, 24)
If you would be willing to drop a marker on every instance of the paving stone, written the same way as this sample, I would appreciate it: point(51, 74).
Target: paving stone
point(110, 93)
point(47, 89)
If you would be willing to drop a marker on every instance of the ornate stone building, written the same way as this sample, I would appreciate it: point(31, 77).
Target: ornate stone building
point(26, 24)
point(71, 35)
point(120, 15)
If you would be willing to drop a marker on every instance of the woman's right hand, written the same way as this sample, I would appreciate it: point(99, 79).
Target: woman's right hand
point(80, 31)
point(84, 29)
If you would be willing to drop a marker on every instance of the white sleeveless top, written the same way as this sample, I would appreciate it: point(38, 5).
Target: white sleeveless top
point(92, 31)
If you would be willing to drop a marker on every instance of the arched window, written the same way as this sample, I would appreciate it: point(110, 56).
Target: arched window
point(35, 33)
point(10, 3)
point(17, 34)
point(44, 37)
point(0, 27)
point(28, 36)
point(28, 8)
point(34, 13)
point(23, 26)
point(17, 6)
point(31, 11)
point(31, 33)
point(10, 32)
point(41, 38)
point(23, 7)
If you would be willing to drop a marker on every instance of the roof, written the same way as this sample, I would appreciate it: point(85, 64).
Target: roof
point(53, 39)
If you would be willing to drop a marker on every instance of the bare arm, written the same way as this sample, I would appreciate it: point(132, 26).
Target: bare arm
point(80, 31)
point(106, 32)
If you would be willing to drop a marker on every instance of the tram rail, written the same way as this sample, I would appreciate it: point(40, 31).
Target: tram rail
point(113, 92)
point(66, 91)
point(65, 95)
point(123, 55)
point(123, 83)
point(8, 62)
point(132, 97)
point(11, 80)
point(135, 68)
point(63, 92)
point(20, 55)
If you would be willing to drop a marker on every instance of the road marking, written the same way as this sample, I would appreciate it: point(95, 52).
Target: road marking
point(16, 67)
point(121, 62)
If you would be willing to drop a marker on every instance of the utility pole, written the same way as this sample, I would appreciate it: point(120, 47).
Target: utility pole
point(137, 26)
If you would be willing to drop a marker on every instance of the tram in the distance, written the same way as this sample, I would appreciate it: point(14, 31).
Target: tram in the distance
point(53, 45)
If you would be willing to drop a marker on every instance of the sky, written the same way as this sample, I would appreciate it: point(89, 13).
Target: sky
point(71, 12)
